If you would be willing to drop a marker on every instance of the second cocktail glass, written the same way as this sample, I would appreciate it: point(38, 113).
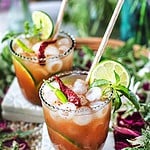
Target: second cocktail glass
point(73, 127)
point(31, 70)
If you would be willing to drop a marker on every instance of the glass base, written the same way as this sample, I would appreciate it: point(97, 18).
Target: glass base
point(47, 144)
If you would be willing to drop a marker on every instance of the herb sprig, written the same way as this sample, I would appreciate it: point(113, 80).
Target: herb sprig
point(12, 136)
point(118, 91)
point(142, 142)
point(7, 71)
point(29, 30)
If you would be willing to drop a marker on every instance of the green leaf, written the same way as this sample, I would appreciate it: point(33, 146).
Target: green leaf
point(123, 90)
point(26, 27)
point(117, 101)
point(100, 82)
point(23, 134)
point(143, 141)
point(9, 36)
point(8, 136)
point(145, 111)
point(117, 77)
point(134, 100)
point(128, 94)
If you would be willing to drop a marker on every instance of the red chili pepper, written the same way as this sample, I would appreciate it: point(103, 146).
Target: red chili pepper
point(71, 96)
point(42, 50)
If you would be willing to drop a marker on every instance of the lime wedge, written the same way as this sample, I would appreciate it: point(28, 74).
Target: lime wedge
point(25, 77)
point(105, 70)
point(58, 138)
point(43, 22)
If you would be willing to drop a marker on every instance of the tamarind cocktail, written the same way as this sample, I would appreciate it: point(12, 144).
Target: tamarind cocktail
point(45, 59)
point(77, 115)
point(37, 57)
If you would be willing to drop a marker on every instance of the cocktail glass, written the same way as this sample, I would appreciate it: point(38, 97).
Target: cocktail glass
point(30, 70)
point(70, 128)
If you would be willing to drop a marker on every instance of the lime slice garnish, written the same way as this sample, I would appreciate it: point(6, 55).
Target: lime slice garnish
point(65, 139)
point(105, 70)
point(26, 78)
point(43, 22)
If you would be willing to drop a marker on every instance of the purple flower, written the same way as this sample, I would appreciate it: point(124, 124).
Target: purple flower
point(134, 121)
point(121, 145)
point(21, 142)
point(146, 86)
point(3, 125)
point(127, 128)
point(142, 97)
point(4, 129)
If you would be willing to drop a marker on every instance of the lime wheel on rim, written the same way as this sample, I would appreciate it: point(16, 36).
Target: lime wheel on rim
point(105, 70)
point(43, 22)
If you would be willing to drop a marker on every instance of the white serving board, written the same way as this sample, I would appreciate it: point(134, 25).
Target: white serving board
point(16, 108)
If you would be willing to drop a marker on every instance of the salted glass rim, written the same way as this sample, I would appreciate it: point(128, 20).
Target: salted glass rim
point(66, 73)
point(53, 58)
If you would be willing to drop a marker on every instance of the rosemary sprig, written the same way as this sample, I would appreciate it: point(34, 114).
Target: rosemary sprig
point(142, 142)
point(9, 136)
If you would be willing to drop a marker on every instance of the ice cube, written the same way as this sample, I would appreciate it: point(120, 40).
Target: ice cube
point(51, 50)
point(80, 87)
point(54, 65)
point(67, 110)
point(36, 47)
point(94, 94)
point(49, 95)
point(63, 48)
point(63, 41)
point(83, 116)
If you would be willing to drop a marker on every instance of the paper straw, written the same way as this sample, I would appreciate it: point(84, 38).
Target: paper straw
point(105, 37)
point(59, 18)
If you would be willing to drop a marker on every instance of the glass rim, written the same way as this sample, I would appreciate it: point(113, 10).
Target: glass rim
point(53, 58)
point(97, 107)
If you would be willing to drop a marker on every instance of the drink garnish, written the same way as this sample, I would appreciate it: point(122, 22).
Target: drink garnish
point(42, 29)
point(60, 95)
point(42, 50)
point(43, 21)
point(23, 46)
point(112, 76)
point(71, 96)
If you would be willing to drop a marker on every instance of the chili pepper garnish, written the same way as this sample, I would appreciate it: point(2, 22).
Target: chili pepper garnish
point(71, 96)
point(42, 50)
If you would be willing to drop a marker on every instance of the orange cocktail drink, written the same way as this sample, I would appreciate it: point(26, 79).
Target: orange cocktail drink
point(78, 124)
point(45, 59)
